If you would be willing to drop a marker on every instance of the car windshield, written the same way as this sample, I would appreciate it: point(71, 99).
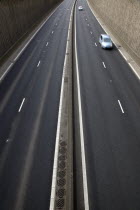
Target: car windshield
point(107, 40)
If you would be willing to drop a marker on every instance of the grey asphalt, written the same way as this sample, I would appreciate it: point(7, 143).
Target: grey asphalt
point(27, 135)
point(112, 138)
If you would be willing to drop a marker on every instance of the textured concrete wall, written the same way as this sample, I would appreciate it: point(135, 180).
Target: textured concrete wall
point(17, 17)
point(123, 16)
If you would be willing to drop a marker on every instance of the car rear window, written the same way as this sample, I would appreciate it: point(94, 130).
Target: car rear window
point(107, 40)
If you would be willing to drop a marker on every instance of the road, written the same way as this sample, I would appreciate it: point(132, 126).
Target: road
point(29, 102)
point(110, 101)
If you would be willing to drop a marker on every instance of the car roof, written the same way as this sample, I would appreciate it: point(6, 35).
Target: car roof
point(105, 35)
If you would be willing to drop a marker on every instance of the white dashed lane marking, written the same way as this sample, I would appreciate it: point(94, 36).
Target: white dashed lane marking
point(38, 64)
point(21, 105)
point(104, 65)
point(121, 106)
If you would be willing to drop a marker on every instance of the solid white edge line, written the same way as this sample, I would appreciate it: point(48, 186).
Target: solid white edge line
point(134, 71)
point(21, 105)
point(4, 74)
point(115, 44)
point(36, 33)
point(121, 106)
point(85, 187)
point(122, 54)
point(53, 188)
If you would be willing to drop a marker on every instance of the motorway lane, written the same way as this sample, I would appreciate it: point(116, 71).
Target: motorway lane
point(28, 135)
point(17, 80)
point(111, 137)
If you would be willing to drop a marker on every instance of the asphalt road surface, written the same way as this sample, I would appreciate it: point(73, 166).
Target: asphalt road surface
point(29, 100)
point(110, 95)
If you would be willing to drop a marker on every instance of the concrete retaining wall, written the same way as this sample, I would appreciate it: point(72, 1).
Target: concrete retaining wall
point(123, 16)
point(17, 17)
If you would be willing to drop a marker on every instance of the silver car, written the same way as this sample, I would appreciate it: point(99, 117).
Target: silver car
point(105, 41)
point(80, 8)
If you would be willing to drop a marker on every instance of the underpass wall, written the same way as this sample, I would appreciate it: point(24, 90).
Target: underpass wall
point(123, 17)
point(17, 17)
